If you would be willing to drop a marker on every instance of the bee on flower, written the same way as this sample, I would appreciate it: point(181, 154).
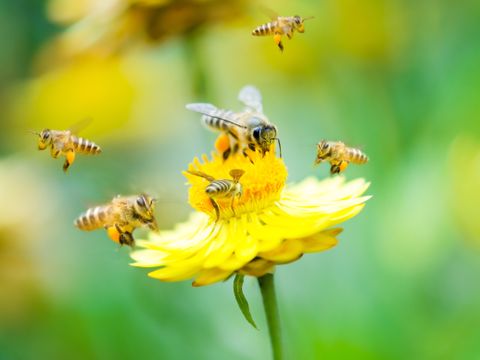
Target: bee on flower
point(240, 131)
point(222, 189)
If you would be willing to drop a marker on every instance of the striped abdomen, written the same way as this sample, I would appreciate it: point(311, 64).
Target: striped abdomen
point(85, 146)
point(218, 188)
point(265, 29)
point(356, 156)
point(93, 218)
point(214, 119)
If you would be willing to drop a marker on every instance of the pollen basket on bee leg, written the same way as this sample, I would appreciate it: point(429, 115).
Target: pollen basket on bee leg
point(222, 143)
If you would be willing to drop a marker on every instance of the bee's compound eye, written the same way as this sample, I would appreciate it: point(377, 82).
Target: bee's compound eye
point(298, 19)
point(256, 133)
point(325, 146)
point(141, 201)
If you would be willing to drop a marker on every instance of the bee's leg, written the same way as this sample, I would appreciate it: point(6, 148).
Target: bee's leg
point(226, 154)
point(235, 149)
point(278, 40)
point(54, 152)
point(233, 208)
point(247, 155)
point(126, 238)
point(231, 150)
point(334, 168)
point(120, 236)
point(152, 225)
point(69, 159)
point(66, 165)
point(337, 167)
point(217, 209)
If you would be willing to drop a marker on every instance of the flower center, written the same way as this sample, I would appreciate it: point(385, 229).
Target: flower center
point(260, 185)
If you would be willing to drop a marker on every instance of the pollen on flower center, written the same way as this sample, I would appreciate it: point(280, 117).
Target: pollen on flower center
point(262, 182)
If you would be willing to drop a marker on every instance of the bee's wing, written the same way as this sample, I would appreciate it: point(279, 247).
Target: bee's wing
point(273, 15)
point(213, 111)
point(75, 128)
point(202, 108)
point(251, 97)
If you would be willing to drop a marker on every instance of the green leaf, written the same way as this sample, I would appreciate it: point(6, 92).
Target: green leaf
point(242, 300)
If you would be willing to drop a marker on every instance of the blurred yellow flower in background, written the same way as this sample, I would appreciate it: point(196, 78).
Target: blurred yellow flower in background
point(361, 28)
point(101, 90)
point(464, 172)
point(272, 224)
point(109, 27)
point(28, 202)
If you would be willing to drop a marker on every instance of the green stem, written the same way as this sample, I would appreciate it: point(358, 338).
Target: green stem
point(267, 288)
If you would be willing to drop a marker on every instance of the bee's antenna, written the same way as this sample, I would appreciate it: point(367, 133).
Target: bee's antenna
point(279, 146)
point(228, 121)
point(308, 18)
point(33, 132)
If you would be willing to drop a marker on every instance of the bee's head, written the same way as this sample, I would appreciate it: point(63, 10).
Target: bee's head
point(44, 139)
point(265, 135)
point(145, 207)
point(323, 151)
point(298, 22)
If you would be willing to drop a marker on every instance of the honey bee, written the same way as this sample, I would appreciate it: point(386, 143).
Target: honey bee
point(223, 188)
point(249, 129)
point(339, 155)
point(281, 25)
point(120, 217)
point(64, 142)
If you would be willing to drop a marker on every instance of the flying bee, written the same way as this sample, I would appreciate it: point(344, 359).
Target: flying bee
point(339, 155)
point(120, 217)
point(64, 142)
point(281, 25)
point(249, 129)
point(223, 188)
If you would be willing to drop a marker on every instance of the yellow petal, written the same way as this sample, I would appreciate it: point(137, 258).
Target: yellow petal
point(288, 251)
point(320, 242)
point(148, 258)
point(258, 267)
point(207, 277)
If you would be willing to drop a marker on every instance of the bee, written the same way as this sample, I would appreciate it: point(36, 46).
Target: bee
point(223, 188)
point(120, 217)
point(249, 129)
point(64, 142)
point(281, 25)
point(339, 155)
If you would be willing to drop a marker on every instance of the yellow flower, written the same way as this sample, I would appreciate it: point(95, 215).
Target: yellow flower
point(271, 223)
point(114, 26)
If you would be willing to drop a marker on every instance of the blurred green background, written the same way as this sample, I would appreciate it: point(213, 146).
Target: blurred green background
point(400, 79)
